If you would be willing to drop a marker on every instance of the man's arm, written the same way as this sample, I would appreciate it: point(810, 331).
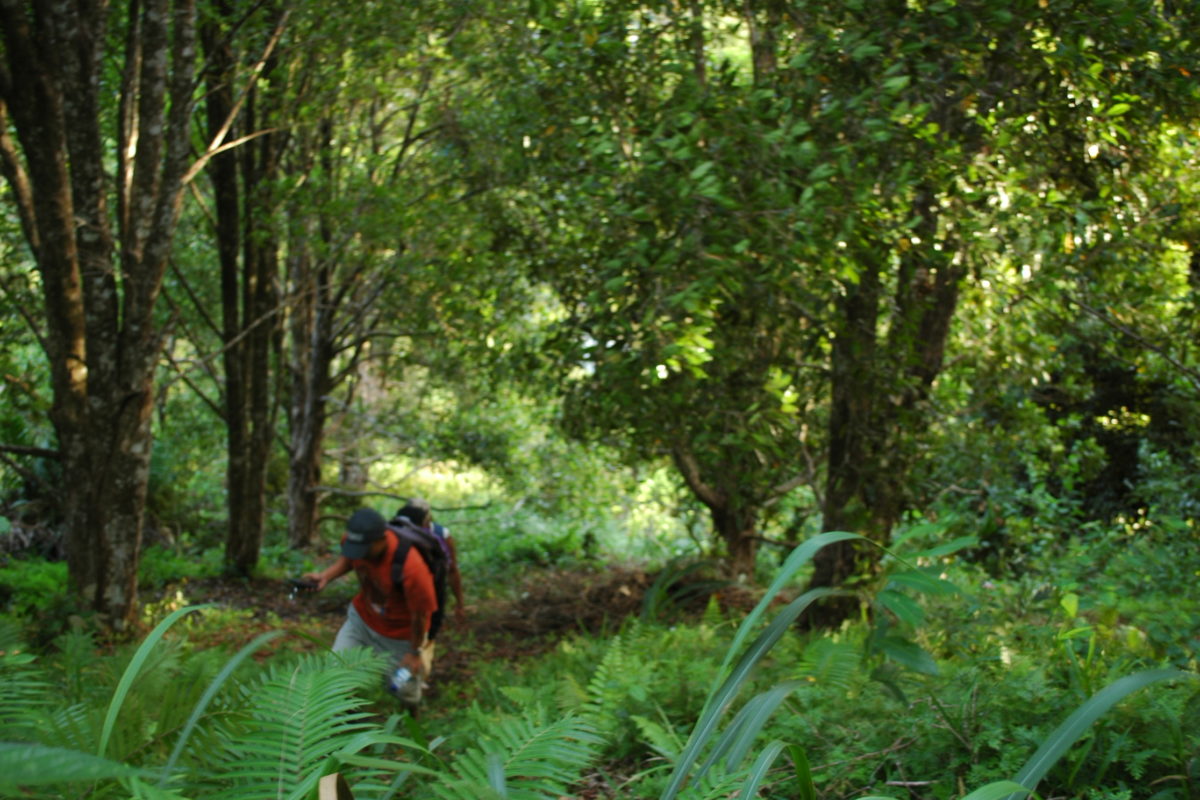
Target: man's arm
point(331, 573)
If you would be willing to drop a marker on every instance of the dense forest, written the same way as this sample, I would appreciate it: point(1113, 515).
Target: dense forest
point(811, 389)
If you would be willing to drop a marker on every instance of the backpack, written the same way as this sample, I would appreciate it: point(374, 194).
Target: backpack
point(436, 559)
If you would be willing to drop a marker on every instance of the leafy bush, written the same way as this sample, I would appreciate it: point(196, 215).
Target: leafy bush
point(163, 565)
point(32, 585)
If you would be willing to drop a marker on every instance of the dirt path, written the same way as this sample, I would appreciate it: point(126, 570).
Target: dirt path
point(531, 617)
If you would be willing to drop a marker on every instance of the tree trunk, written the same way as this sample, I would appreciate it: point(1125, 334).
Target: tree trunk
point(311, 366)
point(736, 528)
point(878, 391)
point(314, 305)
point(102, 341)
point(247, 251)
point(733, 519)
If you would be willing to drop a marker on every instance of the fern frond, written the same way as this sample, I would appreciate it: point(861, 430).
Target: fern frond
point(832, 663)
point(570, 695)
point(522, 761)
point(75, 726)
point(24, 691)
point(609, 685)
point(300, 715)
point(662, 739)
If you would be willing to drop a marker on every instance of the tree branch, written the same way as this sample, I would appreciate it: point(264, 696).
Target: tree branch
point(18, 179)
point(1143, 341)
point(690, 469)
point(217, 143)
point(36, 452)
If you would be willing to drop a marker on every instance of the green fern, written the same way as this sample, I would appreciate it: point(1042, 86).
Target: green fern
point(302, 715)
point(570, 694)
point(24, 692)
point(608, 689)
point(522, 760)
point(831, 663)
point(76, 671)
point(660, 735)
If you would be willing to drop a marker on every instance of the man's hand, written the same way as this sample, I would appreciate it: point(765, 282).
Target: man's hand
point(412, 661)
point(317, 579)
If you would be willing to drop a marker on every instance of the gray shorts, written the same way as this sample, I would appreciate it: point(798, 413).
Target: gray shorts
point(356, 633)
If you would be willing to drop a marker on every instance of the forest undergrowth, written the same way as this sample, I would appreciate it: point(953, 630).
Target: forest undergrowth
point(590, 680)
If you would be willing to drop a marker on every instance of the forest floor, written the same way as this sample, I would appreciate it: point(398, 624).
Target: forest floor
point(531, 617)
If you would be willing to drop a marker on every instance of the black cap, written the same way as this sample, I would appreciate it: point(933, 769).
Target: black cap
point(365, 526)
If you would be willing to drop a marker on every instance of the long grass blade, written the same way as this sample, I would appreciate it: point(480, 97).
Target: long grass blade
point(719, 700)
point(209, 694)
point(35, 764)
point(133, 670)
point(794, 563)
point(808, 790)
point(762, 765)
point(997, 791)
point(1075, 725)
point(736, 742)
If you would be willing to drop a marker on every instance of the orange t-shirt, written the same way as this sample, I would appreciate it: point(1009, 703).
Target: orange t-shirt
point(387, 612)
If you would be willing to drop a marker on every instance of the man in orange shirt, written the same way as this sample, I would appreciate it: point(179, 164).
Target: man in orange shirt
point(390, 619)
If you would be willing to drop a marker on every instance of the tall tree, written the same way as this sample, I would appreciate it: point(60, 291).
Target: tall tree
point(999, 102)
point(388, 271)
point(245, 184)
point(76, 154)
point(761, 224)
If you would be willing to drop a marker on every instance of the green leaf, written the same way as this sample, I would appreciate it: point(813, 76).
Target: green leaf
point(903, 606)
point(921, 581)
point(952, 546)
point(719, 700)
point(762, 765)
point(909, 654)
point(1117, 109)
point(808, 791)
point(736, 742)
point(34, 765)
point(865, 50)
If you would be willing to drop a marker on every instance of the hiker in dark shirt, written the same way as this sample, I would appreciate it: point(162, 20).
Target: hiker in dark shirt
point(418, 511)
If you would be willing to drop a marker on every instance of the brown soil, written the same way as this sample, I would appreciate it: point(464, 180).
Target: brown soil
point(548, 605)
